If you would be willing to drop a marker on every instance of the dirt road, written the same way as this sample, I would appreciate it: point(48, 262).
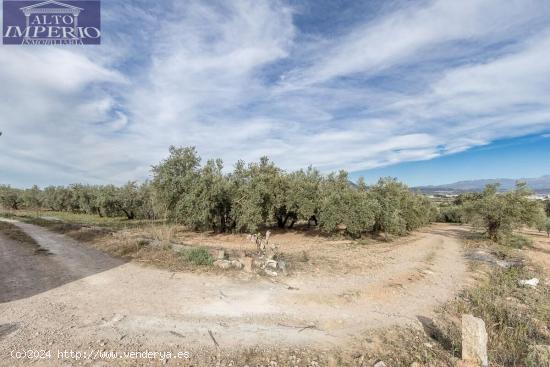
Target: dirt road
point(78, 298)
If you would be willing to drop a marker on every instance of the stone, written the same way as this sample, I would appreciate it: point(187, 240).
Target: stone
point(474, 340)
point(271, 273)
point(533, 282)
point(415, 364)
point(247, 263)
point(267, 235)
point(380, 364)
point(236, 264)
point(221, 255)
point(222, 264)
point(271, 264)
point(539, 355)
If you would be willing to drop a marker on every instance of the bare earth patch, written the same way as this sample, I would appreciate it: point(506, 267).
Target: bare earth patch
point(342, 292)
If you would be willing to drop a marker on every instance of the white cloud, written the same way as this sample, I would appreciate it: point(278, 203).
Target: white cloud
point(233, 78)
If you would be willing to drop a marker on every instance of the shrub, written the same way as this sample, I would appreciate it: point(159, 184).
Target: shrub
point(450, 214)
point(198, 256)
point(516, 241)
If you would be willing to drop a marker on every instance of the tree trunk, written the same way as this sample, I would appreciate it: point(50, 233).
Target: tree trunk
point(129, 214)
point(280, 222)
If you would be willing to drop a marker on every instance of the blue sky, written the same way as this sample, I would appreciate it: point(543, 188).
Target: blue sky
point(428, 91)
point(524, 157)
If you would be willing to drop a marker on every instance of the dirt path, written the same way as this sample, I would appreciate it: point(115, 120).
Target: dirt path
point(81, 299)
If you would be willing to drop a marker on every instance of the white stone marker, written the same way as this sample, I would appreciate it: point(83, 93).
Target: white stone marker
point(474, 340)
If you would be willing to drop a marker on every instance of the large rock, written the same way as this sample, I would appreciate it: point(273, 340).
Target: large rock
point(474, 340)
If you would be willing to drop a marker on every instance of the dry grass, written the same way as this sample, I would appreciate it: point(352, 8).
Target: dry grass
point(517, 318)
point(165, 233)
point(403, 346)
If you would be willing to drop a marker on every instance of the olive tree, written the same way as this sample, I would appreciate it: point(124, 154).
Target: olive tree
point(346, 207)
point(500, 213)
point(258, 192)
point(303, 197)
point(10, 198)
point(389, 219)
point(173, 180)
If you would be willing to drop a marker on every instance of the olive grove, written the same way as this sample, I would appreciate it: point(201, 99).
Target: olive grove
point(249, 197)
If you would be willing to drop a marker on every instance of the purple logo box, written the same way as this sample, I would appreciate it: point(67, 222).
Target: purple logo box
point(50, 22)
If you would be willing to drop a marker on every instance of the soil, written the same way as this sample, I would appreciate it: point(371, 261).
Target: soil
point(78, 298)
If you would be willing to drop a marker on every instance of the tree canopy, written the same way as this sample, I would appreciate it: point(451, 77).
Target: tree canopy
point(249, 197)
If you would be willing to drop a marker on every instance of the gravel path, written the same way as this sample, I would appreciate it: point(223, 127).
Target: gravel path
point(80, 299)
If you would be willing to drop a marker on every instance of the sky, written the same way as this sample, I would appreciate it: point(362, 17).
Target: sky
point(426, 91)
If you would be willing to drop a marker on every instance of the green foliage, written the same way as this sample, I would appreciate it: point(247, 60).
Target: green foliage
point(260, 194)
point(251, 197)
point(32, 198)
point(500, 213)
point(515, 240)
point(345, 206)
point(451, 213)
point(546, 207)
point(173, 179)
point(130, 200)
point(198, 256)
point(191, 195)
point(10, 198)
point(400, 210)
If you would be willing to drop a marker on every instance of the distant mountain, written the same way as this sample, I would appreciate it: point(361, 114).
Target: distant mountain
point(540, 185)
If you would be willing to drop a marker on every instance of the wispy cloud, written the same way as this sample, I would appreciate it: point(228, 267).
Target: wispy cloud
point(240, 79)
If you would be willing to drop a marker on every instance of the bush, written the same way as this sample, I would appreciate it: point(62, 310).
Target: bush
point(199, 256)
point(516, 241)
point(450, 214)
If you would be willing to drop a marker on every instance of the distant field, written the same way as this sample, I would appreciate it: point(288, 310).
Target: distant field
point(74, 218)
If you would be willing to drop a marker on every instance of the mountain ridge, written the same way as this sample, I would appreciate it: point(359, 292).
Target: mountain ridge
point(540, 185)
